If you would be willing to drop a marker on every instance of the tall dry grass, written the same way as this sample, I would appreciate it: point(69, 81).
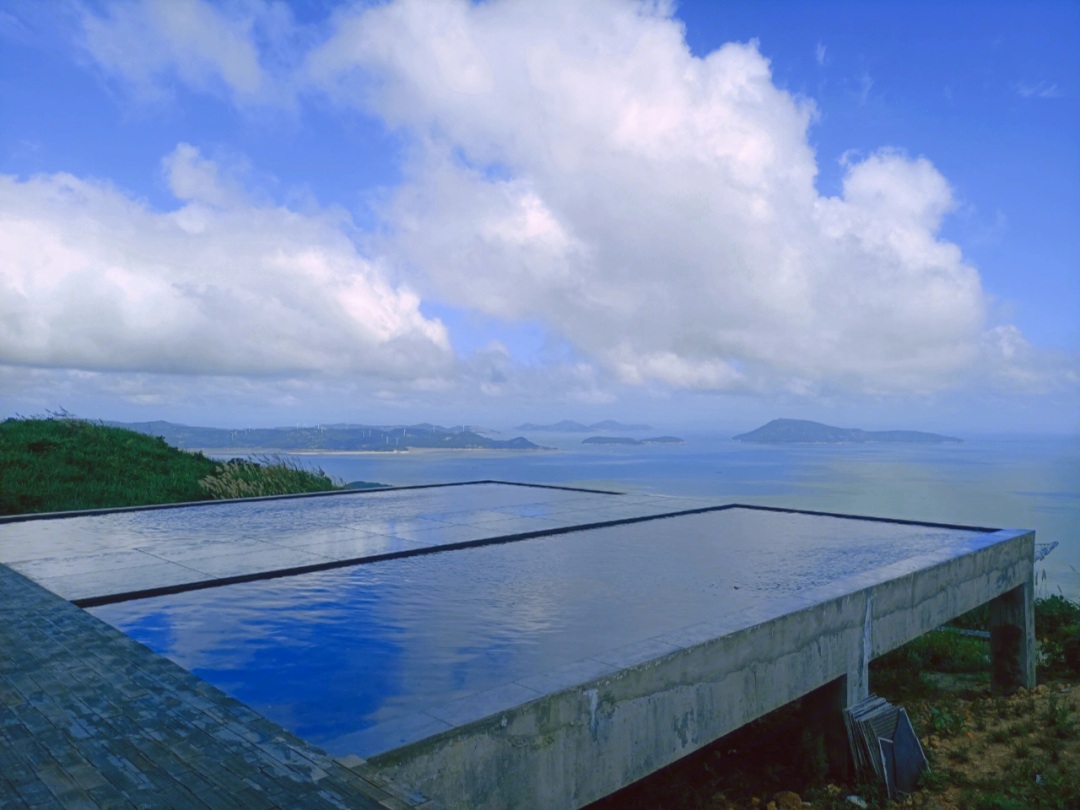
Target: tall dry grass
point(265, 475)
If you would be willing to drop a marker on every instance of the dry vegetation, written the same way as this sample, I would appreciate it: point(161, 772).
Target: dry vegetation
point(265, 475)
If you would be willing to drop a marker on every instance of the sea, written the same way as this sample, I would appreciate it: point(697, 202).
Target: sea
point(993, 481)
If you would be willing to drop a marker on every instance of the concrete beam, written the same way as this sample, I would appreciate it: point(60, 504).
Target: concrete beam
point(573, 746)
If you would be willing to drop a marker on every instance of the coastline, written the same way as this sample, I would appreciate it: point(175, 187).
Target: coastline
point(247, 451)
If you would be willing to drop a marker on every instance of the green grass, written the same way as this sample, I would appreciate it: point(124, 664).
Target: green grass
point(61, 463)
point(1057, 628)
point(906, 671)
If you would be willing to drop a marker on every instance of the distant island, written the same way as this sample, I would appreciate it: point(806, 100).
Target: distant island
point(327, 438)
point(628, 440)
point(801, 431)
point(570, 426)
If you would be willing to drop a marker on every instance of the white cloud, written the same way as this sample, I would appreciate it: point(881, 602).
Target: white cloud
point(1043, 89)
point(819, 54)
point(657, 209)
point(207, 47)
point(91, 279)
point(572, 162)
point(866, 84)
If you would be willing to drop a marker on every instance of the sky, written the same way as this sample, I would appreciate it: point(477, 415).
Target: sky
point(693, 214)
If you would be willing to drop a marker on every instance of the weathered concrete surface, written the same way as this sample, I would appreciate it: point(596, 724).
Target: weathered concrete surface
point(92, 719)
point(687, 689)
point(1012, 640)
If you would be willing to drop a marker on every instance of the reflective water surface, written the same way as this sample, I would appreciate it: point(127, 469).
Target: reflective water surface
point(331, 654)
point(93, 556)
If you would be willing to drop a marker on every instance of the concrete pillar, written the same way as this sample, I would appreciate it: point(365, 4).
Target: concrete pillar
point(857, 682)
point(1012, 639)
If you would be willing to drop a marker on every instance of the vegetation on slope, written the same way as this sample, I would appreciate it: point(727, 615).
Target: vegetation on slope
point(267, 475)
point(60, 463)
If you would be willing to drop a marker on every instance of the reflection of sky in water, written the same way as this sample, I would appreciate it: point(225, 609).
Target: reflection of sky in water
point(282, 522)
point(331, 653)
point(1030, 483)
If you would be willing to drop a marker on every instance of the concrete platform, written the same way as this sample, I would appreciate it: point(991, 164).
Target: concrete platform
point(107, 555)
point(550, 667)
point(603, 723)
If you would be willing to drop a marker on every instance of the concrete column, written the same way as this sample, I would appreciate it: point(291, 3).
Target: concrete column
point(857, 682)
point(1012, 639)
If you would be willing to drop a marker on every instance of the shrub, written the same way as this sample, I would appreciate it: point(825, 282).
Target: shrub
point(266, 475)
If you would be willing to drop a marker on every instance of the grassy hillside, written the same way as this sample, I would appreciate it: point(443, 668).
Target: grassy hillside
point(59, 464)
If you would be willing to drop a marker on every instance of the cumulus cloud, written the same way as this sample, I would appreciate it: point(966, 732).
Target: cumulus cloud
point(92, 279)
point(573, 163)
point(579, 165)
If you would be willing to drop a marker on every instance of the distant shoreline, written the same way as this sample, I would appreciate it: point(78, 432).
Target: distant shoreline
point(259, 451)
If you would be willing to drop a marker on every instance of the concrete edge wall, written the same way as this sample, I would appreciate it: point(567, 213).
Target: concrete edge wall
point(570, 748)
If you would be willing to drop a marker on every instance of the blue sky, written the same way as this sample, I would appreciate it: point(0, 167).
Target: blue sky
point(704, 213)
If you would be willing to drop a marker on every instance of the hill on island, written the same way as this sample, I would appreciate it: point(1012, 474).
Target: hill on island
point(328, 438)
point(628, 440)
point(801, 431)
point(570, 426)
point(62, 463)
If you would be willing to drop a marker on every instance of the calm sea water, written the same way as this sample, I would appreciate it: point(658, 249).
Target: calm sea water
point(1031, 483)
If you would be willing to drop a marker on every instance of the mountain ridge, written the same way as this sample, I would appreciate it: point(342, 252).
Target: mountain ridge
point(628, 440)
point(570, 426)
point(331, 438)
point(803, 431)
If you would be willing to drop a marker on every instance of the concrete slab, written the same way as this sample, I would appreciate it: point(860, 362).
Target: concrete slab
point(580, 742)
point(231, 565)
point(89, 584)
point(93, 557)
point(550, 671)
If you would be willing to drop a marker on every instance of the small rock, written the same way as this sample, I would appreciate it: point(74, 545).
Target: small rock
point(858, 801)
